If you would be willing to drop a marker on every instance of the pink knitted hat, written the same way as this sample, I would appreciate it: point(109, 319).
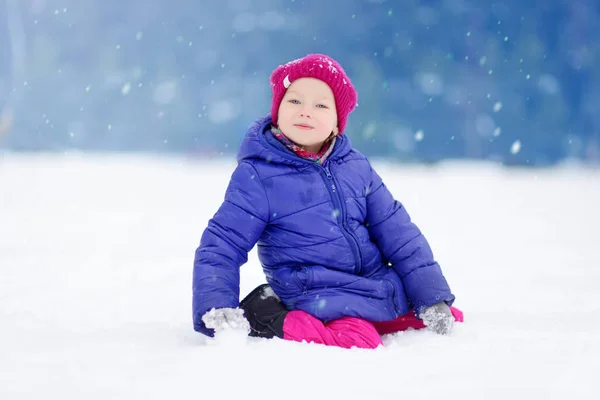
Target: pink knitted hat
point(321, 67)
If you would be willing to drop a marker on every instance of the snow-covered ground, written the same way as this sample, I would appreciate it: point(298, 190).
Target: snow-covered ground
point(95, 287)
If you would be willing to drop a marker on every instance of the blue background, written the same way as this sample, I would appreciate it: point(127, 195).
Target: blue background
point(513, 81)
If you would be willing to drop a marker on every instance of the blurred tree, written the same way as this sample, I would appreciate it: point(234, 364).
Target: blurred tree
point(517, 82)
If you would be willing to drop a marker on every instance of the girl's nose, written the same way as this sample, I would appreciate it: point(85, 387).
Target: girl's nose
point(305, 112)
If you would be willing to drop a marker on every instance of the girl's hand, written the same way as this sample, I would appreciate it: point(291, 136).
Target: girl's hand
point(221, 319)
point(438, 318)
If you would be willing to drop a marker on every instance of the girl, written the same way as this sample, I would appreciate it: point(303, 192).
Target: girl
point(343, 260)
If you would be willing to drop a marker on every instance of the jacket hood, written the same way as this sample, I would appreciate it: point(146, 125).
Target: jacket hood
point(259, 143)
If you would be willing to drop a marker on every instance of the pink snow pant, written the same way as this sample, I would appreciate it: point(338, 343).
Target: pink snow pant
point(347, 332)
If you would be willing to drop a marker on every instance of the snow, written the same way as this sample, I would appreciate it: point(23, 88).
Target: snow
point(268, 292)
point(95, 287)
point(515, 147)
point(230, 319)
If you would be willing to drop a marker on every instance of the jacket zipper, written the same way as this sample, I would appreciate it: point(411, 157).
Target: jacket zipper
point(341, 217)
point(339, 203)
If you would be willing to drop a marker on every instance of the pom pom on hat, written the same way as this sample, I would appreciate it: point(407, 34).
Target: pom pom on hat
point(321, 67)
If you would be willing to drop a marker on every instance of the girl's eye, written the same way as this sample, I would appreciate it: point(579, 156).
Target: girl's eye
point(321, 106)
point(294, 101)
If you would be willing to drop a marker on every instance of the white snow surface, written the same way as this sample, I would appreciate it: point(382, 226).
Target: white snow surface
point(96, 256)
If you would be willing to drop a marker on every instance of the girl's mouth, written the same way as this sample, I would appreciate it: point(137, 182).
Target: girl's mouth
point(303, 126)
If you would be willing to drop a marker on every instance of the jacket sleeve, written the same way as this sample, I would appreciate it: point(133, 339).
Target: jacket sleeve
point(224, 246)
point(404, 247)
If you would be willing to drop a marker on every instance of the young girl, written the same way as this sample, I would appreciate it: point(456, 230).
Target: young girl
point(343, 261)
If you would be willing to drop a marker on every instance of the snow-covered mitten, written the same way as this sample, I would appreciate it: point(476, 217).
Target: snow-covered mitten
point(220, 319)
point(438, 318)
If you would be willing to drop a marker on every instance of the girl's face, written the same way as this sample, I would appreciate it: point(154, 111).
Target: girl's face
point(307, 114)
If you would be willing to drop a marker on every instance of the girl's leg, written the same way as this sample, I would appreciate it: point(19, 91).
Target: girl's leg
point(269, 318)
point(409, 321)
point(345, 332)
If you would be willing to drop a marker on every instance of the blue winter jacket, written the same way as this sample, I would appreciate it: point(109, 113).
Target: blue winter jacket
point(332, 241)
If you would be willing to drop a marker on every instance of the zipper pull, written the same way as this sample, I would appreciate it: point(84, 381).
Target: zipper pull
point(330, 177)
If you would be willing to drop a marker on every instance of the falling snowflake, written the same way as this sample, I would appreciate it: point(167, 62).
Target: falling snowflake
point(126, 88)
point(321, 304)
point(516, 147)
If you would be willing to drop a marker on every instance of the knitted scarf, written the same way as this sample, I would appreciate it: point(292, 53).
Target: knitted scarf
point(319, 157)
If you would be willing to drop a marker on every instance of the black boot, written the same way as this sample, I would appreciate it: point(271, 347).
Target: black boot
point(265, 312)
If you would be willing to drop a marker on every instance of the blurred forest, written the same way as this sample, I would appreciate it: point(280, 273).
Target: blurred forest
point(517, 82)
